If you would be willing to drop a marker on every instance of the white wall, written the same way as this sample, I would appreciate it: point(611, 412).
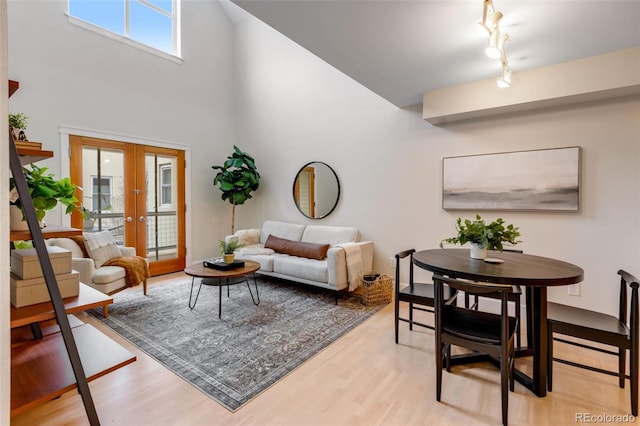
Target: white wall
point(294, 108)
point(75, 78)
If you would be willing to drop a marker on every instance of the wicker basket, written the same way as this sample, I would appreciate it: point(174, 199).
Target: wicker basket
point(376, 292)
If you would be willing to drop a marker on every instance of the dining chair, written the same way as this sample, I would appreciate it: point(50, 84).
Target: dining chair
point(600, 328)
point(419, 295)
point(513, 297)
point(484, 332)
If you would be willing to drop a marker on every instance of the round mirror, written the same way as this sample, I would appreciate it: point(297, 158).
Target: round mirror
point(316, 190)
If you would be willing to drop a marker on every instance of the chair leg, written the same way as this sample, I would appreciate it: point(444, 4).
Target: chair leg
point(504, 384)
point(518, 338)
point(410, 316)
point(144, 287)
point(439, 355)
point(633, 382)
point(397, 315)
point(549, 358)
point(622, 366)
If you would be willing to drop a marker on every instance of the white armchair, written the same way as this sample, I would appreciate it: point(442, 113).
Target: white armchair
point(107, 279)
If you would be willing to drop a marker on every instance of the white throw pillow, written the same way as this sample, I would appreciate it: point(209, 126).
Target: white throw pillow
point(68, 244)
point(247, 237)
point(101, 246)
point(254, 250)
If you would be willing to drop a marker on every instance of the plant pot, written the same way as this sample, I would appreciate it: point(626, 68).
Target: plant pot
point(16, 223)
point(478, 252)
point(228, 258)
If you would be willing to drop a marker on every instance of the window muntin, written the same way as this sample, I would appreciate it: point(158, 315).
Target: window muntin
point(153, 23)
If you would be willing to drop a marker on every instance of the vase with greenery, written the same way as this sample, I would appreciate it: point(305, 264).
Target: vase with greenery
point(484, 236)
point(17, 121)
point(238, 178)
point(46, 191)
point(228, 248)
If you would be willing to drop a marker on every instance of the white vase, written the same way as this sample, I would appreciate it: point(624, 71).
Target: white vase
point(16, 222)
point(478, 252)
point(15, 215)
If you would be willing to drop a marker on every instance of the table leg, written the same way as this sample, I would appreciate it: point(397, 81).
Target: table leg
point(191, 293)
point(220, 301)
point(255, 283)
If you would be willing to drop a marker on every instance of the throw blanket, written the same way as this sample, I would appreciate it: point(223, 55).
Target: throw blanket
point(136, 268)
point(354, 263)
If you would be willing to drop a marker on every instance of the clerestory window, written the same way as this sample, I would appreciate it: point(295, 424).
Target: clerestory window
point(154, 23)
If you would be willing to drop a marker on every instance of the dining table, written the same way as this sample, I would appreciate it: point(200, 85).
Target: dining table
point(534, 273)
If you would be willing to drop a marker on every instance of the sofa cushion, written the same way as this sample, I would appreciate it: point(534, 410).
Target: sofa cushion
point(300, 267)
point(108, 274)
point(101, 246)
point(290, 231)
point(297, 248)
point(330, 234)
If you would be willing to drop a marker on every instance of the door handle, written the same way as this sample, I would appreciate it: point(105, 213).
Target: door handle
point(142, 218)
point(129, 219)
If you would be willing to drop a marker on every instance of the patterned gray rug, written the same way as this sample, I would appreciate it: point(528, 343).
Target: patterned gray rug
point(235, 358)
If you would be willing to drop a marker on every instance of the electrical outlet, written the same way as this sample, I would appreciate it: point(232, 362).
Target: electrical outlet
point(392, 262)
point(574, 290)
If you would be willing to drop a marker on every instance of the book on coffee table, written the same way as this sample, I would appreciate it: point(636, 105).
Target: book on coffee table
point(218, 263)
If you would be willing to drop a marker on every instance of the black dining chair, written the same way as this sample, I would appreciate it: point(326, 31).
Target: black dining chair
point(419, 295)
point(600, 328)
point(515, 298)
point(484, 332)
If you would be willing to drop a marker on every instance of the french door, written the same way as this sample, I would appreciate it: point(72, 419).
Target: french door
point(137, 193)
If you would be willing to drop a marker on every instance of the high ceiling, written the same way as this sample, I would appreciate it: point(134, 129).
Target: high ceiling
point(402, 48)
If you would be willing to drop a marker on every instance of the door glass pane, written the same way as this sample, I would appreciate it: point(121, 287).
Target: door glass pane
point(103, 191)
point(162, 215)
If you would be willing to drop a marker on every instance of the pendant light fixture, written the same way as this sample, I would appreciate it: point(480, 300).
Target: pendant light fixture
point(489, 27)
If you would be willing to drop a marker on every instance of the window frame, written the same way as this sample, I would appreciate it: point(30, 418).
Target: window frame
point(126, 39)
point(163, 185)
point(96, 195)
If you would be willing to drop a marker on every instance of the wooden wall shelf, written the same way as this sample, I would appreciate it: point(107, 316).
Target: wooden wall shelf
point(49, 231)
point(41, 370)
point(13, 86)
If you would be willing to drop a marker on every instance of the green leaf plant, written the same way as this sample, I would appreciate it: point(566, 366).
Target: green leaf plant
point(46, 192)
point(238, 178)
point(491, 236)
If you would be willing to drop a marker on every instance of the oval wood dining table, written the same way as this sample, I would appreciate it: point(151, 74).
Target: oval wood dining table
point(534, 273)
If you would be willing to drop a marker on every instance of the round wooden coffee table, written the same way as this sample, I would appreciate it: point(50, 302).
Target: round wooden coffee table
point(219, 278)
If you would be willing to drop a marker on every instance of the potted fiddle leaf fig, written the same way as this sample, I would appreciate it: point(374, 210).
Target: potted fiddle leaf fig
point(46, 192)
point(483, 236)
point(238, 178)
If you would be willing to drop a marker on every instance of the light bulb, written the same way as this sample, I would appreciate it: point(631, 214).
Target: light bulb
point(505, 79)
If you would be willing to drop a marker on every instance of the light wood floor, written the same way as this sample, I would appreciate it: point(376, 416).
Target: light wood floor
point(362, 379)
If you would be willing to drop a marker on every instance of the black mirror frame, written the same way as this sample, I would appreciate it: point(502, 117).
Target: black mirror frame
point(293, 190)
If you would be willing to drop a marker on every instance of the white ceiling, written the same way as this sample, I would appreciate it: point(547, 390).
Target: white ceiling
point(402, 48)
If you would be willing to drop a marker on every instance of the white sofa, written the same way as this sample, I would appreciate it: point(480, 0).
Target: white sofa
point(346, 257)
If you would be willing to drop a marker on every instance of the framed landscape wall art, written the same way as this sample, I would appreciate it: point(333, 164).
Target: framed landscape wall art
point(544, 179)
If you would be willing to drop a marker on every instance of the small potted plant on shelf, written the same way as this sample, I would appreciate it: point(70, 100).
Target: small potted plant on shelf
point(228, 248)
point(46, 192)
point(18, 122)
point(482, 236)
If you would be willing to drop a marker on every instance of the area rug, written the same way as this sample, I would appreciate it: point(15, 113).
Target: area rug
point(250, 348)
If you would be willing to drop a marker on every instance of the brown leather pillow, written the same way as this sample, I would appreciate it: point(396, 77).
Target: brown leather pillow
point(297, 248)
